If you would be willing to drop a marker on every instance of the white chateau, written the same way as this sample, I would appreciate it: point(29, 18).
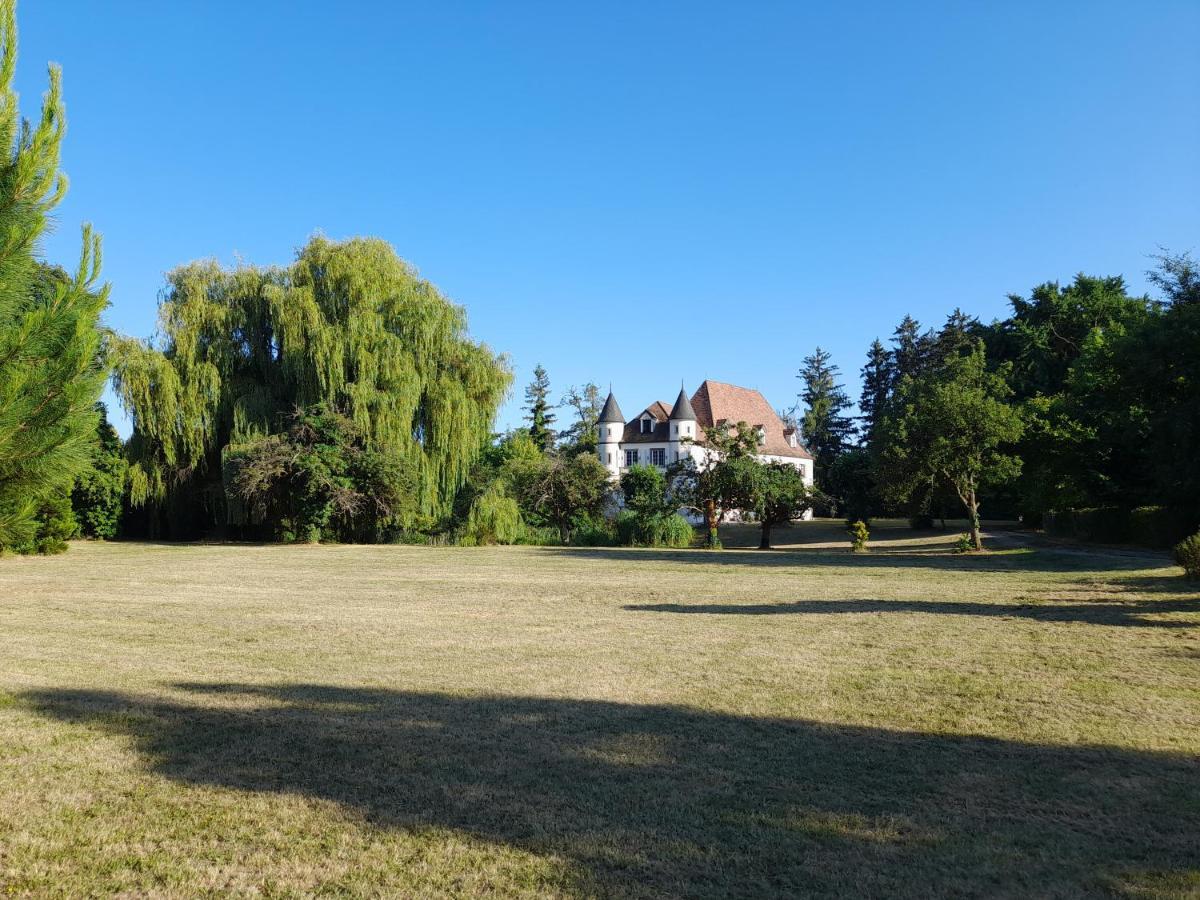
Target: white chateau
point(659, 435)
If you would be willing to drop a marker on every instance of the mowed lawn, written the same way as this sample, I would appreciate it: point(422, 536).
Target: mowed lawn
point(274, 720)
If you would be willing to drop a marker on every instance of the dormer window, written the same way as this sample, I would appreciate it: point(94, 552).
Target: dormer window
point(647, 425)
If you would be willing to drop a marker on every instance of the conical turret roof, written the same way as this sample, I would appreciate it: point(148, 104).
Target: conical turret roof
point(682, 410)
point(611, 411)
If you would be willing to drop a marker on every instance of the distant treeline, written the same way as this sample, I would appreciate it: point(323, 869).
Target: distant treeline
point(1084, 398)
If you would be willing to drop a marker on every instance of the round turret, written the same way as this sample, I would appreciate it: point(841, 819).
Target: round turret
point(610, 429)
point(683, 419)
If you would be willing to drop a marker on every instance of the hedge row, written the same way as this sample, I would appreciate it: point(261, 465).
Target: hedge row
point(1147, 526)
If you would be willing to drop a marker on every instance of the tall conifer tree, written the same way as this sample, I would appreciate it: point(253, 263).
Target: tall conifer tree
point(541, 415)
point(828, 431)
point(50, 343)
point(877, 385)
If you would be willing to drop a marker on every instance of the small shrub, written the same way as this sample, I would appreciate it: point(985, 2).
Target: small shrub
point(538, 537)
point(597, 532)
point(674, 531)
point(859, 535)
point(1187, 555)
point(635, 530)
point(494, 518)
point(964, 544)
point(55, 526)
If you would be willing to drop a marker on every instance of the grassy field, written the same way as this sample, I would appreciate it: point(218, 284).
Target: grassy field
point(180, 720)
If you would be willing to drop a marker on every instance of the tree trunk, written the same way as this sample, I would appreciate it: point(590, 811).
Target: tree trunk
point(765, 541)
point(973, 512)
point(710, 524)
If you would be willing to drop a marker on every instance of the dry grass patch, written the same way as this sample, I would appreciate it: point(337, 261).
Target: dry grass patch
point(176, 720)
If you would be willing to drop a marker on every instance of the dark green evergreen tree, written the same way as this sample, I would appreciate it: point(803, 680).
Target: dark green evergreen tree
point(877, 385)
point(913, 348)
point(51, 370)
point(828, 431)
point(540, 411)
point(99, 490)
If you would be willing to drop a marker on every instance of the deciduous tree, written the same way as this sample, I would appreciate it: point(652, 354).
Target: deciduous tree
point(950, 424)
point(776, 494)
point(586, 402)
point(715, 484)
point(561, 488)
point(348, 325)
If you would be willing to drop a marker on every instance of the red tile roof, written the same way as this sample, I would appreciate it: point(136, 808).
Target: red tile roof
point(715, 401)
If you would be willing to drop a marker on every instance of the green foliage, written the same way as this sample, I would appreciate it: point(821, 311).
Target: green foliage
point(850, 482)
point(494, 518)
point(949, 425)
point(645, 491)
point(877, 378)
point(581, 435)
point(1148, 526)
point(348, 325)
point(716, 484)
point(51, 369)
point(775, 493)
point(827, 430)
point(99, 490)
point(318, 481)
point(1063, 347)
point(559, 490)
point(1178, 277)
point(965, 543)
point(649, 518)
point(859, 535)
point(53, 525)
point(1187, 555)
point(594, 531)
point(537, 405)
point(658, 530)
point(913, 350)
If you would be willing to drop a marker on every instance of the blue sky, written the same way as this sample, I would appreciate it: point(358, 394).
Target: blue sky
point(637, 193)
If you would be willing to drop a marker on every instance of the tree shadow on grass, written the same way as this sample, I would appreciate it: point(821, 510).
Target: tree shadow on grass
point(1136, 613)
point(798, 560)
point(657, 800)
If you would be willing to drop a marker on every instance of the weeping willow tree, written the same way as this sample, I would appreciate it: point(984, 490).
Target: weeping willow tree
point(50, 342)
point(348, 325)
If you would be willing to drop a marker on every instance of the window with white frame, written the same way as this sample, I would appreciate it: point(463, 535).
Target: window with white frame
point(658, 456)
point(631, 457)
point(647, 425)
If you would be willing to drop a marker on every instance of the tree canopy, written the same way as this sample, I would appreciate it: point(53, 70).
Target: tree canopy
point(348, 325)
point(950, 425)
